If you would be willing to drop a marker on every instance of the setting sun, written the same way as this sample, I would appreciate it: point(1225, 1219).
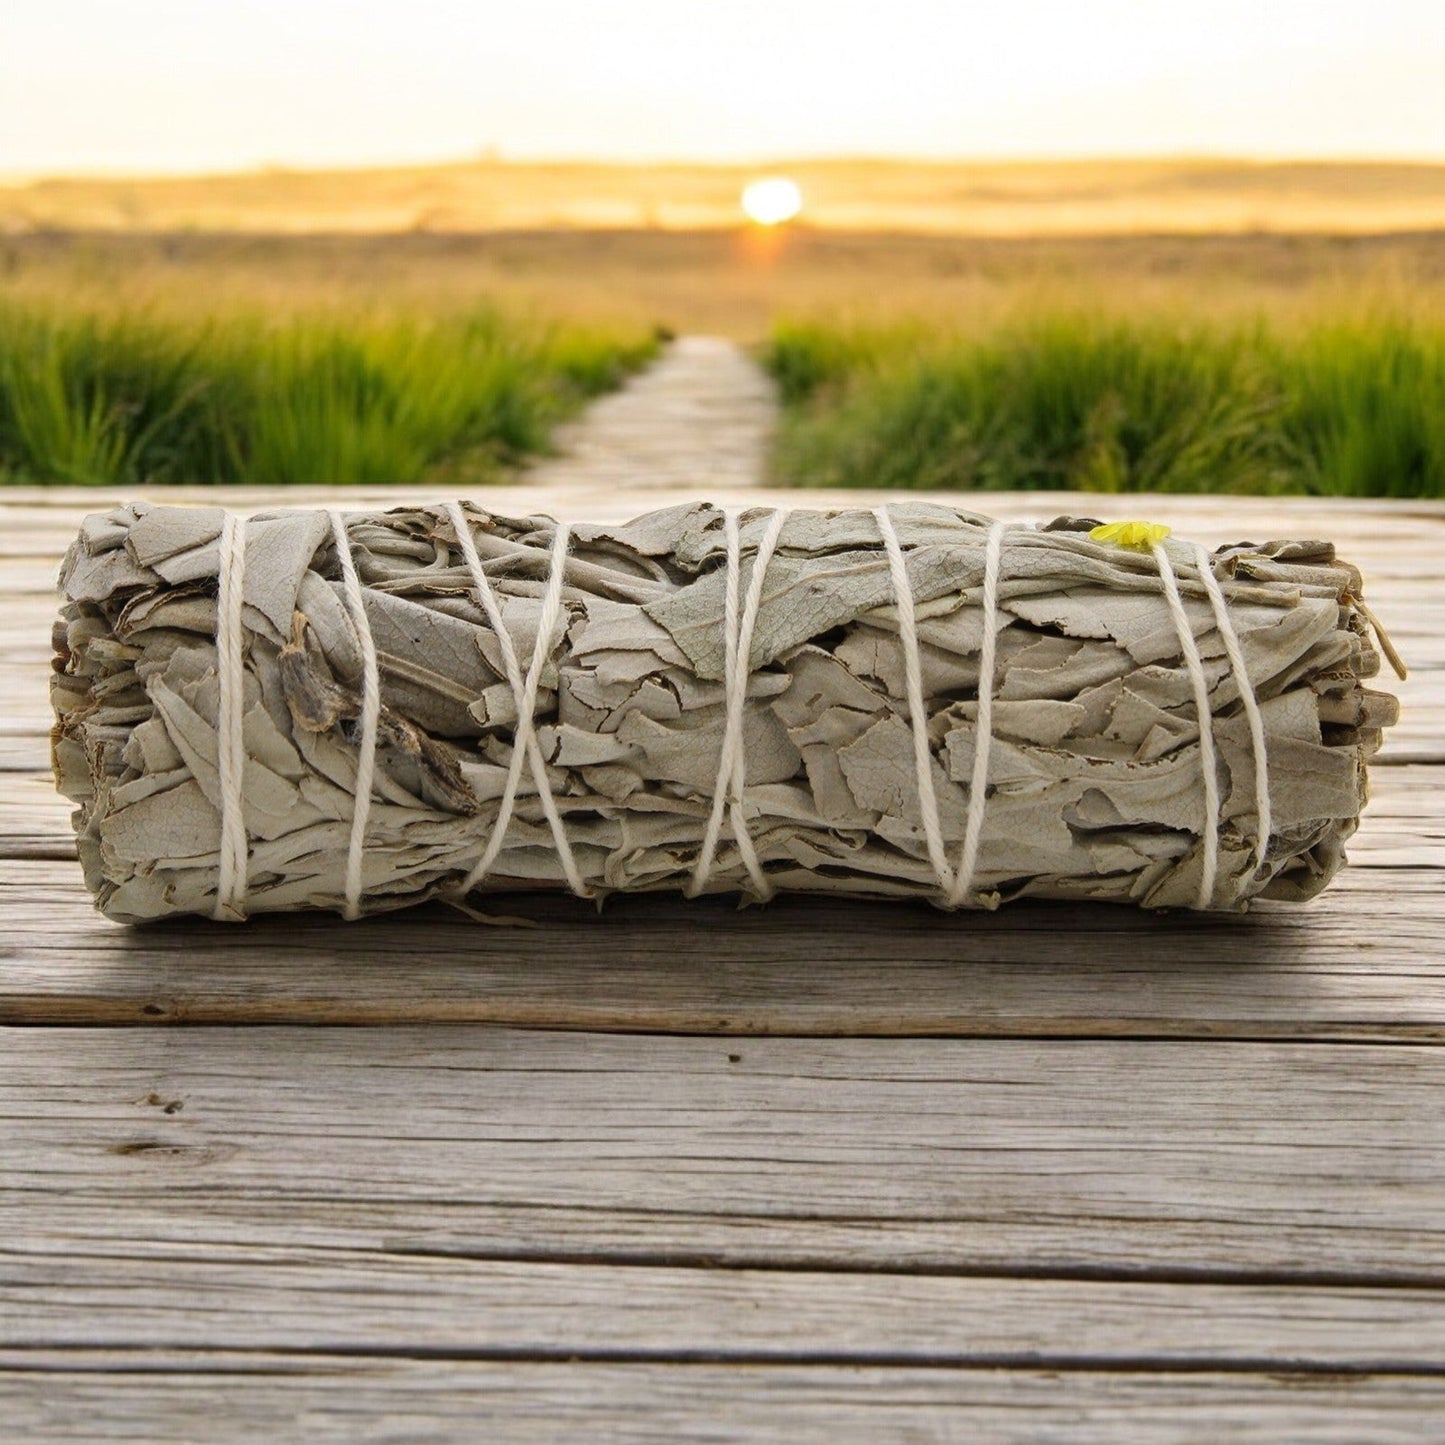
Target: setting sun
point(772, 201)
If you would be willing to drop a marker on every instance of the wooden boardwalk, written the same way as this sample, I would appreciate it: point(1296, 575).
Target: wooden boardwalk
point(681, 1172)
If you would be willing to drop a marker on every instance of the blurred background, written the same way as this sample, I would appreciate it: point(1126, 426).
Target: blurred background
point(1120, 246)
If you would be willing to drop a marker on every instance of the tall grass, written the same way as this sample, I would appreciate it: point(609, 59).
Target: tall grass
point(117, 396)
point(1352, 407)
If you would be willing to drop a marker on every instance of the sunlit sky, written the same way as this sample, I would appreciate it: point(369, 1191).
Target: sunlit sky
point(188, 85)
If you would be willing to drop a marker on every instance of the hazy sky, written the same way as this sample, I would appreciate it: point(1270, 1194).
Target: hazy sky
point(158, 85)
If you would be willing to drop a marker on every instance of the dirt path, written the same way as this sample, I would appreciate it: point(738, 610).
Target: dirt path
point(699, 419)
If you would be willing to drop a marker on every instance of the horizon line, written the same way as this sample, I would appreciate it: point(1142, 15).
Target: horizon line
point(490, 157)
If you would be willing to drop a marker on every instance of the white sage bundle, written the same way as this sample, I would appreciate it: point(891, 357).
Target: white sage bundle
point(359, 713)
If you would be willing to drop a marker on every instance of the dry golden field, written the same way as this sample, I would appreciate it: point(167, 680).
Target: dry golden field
point(735, 282)
point(966, 242)
point(939, 197)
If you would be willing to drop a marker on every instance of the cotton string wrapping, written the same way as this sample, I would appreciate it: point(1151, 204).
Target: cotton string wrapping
point(953, 884)
point(1195, 668)
point(231, 871)
point(1235, 654)
point(370, 714)
point(525, 745)
point(804, 604)
point(732, 565)
point(740, 617)
point(913, 687)
point(738, 629)
point(983, 728)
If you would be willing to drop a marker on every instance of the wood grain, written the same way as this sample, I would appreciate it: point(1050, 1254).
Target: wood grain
point(293, 1300)
point(680, 1172)
point(799, 967)
point(219, 1398)
point(1291, 1163)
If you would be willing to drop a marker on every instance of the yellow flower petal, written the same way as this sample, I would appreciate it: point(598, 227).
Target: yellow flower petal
point(1137, 536)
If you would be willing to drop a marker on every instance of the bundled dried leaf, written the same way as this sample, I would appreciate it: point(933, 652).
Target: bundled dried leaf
point(1094, 782)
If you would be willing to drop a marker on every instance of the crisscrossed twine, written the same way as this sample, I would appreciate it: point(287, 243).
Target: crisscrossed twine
point(739, 623)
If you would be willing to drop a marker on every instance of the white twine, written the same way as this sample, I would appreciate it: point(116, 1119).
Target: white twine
point(1195, 668)
point(370, 714)
point(525, 744)
point(913, 690)
point(738, 629)
point(954, 884)
point(740, 617)
point(1247, 697)
point(232, 867)
point(983, 727)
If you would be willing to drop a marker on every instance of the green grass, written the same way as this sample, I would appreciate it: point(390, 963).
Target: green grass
point(1352, 407)
point(117, 396)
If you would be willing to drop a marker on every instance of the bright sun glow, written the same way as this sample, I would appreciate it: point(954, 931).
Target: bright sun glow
point(772, 201)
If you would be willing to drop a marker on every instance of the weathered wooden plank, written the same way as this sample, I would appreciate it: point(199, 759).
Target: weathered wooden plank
point(158, 1212)
point(220, 1398)
point(36, 505)
point(1362, 989)
point(29, 754)
point(800, 966)
point(1296, 1162)
point(285, 1298)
